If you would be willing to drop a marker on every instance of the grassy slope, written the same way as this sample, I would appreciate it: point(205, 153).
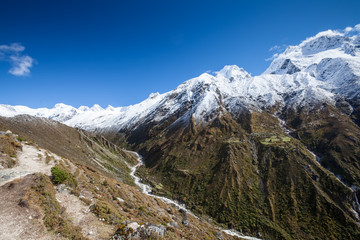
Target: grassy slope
point(334, 137)
point(77, 145)
point(8, 148)
point(79, 149)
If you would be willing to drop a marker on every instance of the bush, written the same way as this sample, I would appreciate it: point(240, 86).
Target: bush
point(60, 176)
point(107, 212)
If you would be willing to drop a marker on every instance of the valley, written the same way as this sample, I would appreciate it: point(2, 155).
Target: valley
point(273, 156)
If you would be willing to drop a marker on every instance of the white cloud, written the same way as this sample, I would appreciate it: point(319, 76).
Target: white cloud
point(348, 29)
point(20, 63)
point(274, 48)
point(14, 47)
point(357, 28)
point(278, 48)
point(275, 55)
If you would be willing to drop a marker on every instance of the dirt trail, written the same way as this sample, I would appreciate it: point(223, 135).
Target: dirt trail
point(30, 160)
point(20, 222)
point(80, 215)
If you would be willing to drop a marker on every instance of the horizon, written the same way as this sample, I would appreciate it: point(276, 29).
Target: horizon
point(117, 54)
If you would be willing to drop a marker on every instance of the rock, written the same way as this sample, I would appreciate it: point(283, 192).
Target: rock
point(135, 231)
point(220, 236)
point(11, 186)
point(23, 203)
point(133, 226)
point(8, 133)
point(62, 188)
point(5, 177)
point(173, 224)
point(184, 220)
point(160, 230)
point(169, 210)
point(185, 223)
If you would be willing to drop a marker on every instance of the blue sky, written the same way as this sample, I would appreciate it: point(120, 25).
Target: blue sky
point(117, 52)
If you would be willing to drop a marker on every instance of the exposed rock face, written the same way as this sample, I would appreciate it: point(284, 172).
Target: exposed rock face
point(287, 68)
point(138, 232)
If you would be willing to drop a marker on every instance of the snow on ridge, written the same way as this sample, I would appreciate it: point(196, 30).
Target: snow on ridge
point(315, 70)
point(326, 44)
point(231, 71)
point(327, 33)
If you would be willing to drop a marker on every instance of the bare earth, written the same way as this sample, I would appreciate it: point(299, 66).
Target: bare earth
point(80, 215)
point(30, 160)
point(18, 222)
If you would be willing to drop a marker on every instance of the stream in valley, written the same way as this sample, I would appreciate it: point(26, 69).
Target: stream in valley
point(146, 189)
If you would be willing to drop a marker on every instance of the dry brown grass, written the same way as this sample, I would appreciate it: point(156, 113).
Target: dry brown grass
point(73, 144)
point(8, 149)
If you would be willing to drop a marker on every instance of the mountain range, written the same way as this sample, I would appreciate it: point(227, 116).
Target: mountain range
point(323, 68)
point(275, 155)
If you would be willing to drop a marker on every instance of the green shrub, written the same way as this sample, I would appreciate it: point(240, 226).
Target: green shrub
point(60, 176)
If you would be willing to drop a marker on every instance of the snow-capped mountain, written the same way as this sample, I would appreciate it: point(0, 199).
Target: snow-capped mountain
point(322, 68)
point(216, 143)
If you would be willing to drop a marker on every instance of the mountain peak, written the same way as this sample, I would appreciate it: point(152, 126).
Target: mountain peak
point(96, 108)
point(232, 71)
point(84, 108)
point(61, 105)
point(330, 44)
point(324, 34)
point(110, 108)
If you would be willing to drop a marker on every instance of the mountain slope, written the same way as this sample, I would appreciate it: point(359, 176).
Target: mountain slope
point(77, 145)
point(51, 196)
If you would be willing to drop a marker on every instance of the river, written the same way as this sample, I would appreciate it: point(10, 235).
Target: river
point(146, 189)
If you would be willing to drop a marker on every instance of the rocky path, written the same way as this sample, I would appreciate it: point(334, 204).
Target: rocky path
point(29, 160)
point(80, 215)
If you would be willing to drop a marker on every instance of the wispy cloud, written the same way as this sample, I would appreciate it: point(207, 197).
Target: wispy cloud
point(20, 63)
point(276, 49)
point(275, 55)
